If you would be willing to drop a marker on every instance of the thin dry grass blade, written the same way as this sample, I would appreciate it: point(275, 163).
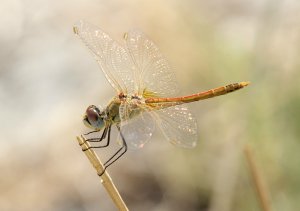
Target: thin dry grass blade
point(260, 187)
point(105, 178)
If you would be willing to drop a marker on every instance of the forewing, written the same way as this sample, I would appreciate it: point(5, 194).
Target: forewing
point(137, 125)
point(178, 125)
point(152, 71)
point(113, 59)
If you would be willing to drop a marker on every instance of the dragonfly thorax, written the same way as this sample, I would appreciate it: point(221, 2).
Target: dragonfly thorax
point(123, 97)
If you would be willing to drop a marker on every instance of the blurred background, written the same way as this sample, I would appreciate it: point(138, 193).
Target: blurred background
point(48, 78)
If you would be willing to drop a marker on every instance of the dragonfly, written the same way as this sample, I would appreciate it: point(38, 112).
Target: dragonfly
point(146, 93)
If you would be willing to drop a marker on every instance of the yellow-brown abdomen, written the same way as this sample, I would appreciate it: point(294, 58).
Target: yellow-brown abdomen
point(201, 95)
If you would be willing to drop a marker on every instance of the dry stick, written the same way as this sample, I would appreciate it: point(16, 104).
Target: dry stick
point(257, 179)
point(105, 178)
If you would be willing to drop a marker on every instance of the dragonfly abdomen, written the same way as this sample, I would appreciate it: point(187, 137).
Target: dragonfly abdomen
point(201, 95)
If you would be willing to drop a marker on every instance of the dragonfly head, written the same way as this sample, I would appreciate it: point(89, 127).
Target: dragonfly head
point(93, 118)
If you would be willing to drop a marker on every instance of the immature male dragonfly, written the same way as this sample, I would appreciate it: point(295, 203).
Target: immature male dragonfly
point(146, 87)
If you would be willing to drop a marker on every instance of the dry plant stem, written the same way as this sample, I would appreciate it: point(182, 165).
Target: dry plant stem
point(257, 179)
point(105, 178)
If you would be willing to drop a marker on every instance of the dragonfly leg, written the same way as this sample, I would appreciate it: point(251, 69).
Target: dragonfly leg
point(103, 136)
point(94, 131)
point(115, 156)
point(93, 139)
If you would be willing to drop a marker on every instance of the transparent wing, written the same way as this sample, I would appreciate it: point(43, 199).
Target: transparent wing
point(113, 59)
point(152, 72)
point(137, 126)
point(178, 125)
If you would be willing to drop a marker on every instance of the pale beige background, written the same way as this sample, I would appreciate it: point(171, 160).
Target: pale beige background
point(48, 78)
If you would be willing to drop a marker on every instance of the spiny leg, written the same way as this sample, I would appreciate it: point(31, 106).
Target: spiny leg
point(103, 136)
point(100, 139)
point(124, 146)
point(94, 139)
point(113, 159)
point(94, 131)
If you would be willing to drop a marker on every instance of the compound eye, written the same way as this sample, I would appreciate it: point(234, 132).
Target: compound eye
point(92, 118)
point(92, 114)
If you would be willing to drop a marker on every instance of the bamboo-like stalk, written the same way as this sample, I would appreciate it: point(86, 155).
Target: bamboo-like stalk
point(105, 178)
point(257, 180)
